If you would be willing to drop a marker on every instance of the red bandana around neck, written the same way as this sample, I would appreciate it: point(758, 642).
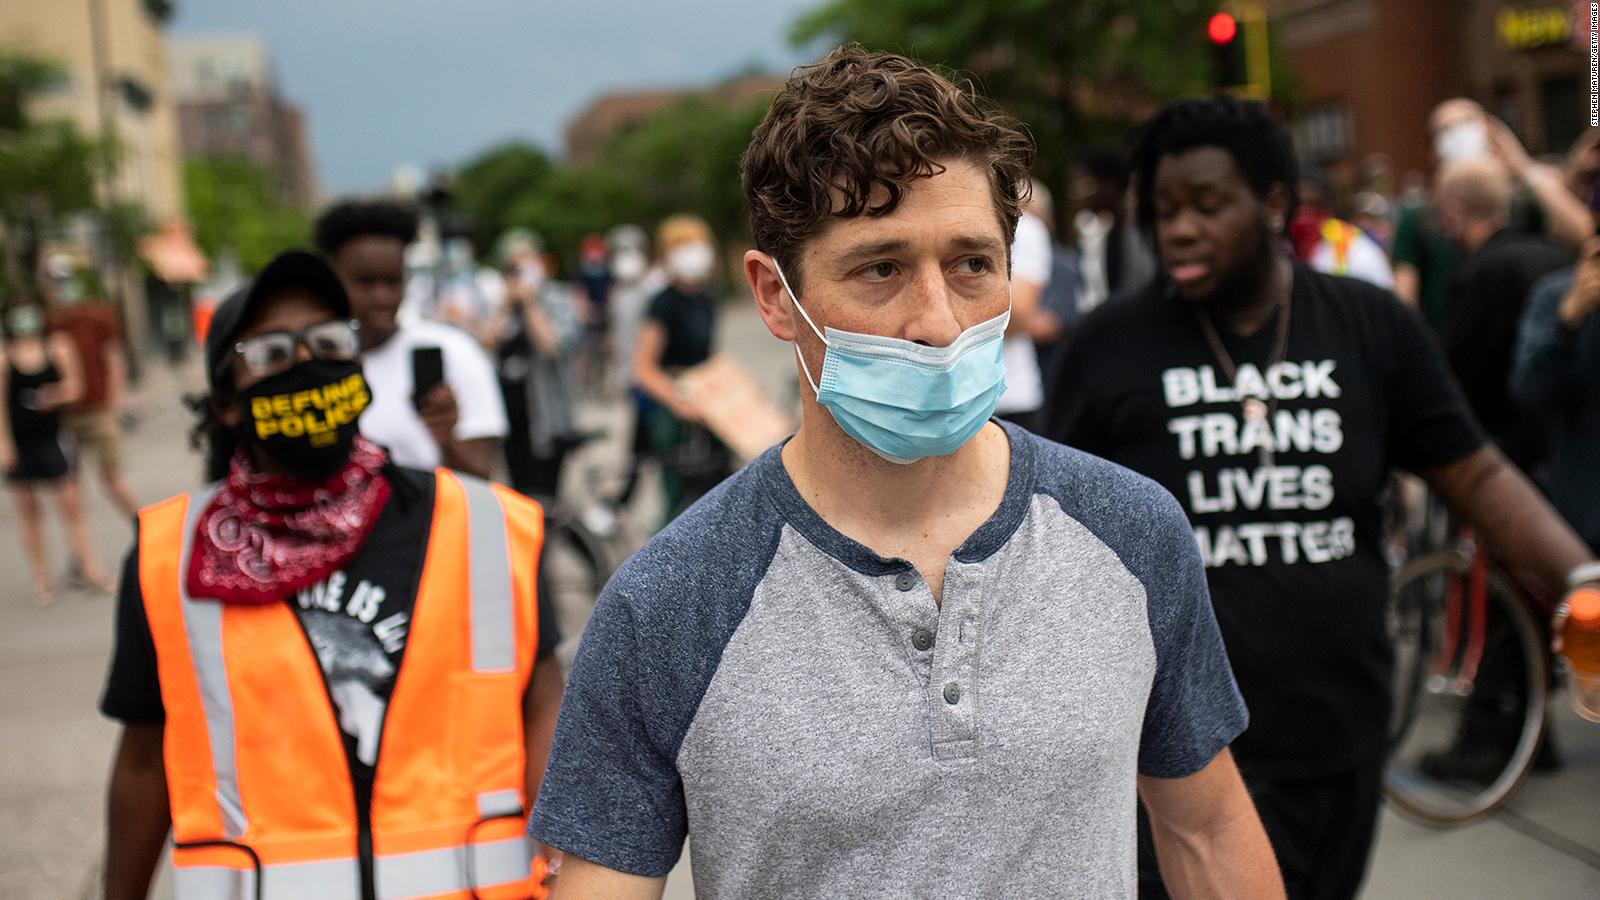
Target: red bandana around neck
point(264, 537)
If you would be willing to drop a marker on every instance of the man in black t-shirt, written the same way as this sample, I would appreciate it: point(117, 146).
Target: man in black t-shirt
point(1273, 401)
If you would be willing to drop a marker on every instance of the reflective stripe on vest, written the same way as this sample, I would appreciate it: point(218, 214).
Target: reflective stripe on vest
point(399, 876)
point(493, 623)
point(328, 879)
point(430, 872)
point(499, 804)
point(202, 622)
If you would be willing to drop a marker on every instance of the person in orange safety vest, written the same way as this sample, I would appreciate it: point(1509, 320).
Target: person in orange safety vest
point(334, 674)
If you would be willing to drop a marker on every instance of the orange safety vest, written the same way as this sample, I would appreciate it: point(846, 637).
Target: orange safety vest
point(261, 792)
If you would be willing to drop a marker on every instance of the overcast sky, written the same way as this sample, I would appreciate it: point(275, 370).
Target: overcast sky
point(391, 82)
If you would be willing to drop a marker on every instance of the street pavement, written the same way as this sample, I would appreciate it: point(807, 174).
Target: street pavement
point(55, 749)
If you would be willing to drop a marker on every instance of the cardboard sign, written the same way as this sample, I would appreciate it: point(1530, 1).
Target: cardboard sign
point(735, 410)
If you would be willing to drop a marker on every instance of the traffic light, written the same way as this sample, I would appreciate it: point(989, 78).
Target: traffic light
point(1227, 51)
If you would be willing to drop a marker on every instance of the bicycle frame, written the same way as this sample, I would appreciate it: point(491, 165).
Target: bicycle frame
point(1466, 602)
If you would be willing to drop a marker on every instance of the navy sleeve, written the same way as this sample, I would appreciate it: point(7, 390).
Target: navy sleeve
point(1195, 709)
point(611, 793)
point(132, 693)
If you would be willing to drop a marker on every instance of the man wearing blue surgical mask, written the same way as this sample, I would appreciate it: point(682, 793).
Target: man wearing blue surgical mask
point(910, 651)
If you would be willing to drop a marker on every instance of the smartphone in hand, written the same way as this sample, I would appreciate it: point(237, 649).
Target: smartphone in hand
point(427, 372)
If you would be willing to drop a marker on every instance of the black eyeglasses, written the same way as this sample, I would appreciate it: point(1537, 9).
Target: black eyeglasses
point(275, 351)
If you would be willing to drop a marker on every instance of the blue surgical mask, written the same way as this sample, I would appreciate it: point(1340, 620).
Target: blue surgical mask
point(905, 401)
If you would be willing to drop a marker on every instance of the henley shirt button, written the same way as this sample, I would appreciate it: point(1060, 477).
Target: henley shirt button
point(905, 581)
point(922, 639)
point(952, 693)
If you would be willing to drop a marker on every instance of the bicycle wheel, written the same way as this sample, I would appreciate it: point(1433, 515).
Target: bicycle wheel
point(576, 566)
point(1470, 690)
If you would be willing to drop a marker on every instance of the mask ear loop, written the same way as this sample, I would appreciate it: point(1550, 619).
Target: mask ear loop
point(807, 316)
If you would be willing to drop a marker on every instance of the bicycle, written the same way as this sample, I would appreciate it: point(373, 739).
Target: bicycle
point(584, 545)
point(1472, 681)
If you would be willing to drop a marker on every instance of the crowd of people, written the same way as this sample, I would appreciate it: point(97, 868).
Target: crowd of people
point(1072, 580)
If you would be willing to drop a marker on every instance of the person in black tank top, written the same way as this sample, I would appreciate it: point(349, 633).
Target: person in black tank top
point(40, 374)
point(35, 428)
point(677, 333)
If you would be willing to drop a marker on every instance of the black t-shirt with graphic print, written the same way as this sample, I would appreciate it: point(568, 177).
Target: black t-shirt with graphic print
point(1285, 510)
point(356, 621)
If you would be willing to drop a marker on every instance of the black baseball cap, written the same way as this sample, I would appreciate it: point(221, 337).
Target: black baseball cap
point(291, 270)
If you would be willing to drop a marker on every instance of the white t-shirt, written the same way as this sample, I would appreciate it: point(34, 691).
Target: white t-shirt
point(392, 420)
point(1030, 262)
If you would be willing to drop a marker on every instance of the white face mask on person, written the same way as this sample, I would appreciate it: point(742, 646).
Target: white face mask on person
point(629, 266)
point(691, 262)
point(1463, 140)
point(532, 275)
point(25, 321)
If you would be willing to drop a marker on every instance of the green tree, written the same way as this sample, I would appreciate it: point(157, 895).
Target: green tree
point(572, 202)
point(1066, 68)
point(684, 159)
point(21, 79)
point(489, 186)
point(233, 206)
point(47, 168)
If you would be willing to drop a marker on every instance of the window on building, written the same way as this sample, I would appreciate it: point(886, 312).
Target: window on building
point(1323, 135)
point(159, 10)
point(234, 75)
point(136, 95)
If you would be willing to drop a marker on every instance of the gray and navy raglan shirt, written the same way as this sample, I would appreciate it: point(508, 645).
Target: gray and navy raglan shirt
point(803, 709)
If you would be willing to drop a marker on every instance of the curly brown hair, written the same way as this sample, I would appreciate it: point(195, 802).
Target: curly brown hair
point(858, 121)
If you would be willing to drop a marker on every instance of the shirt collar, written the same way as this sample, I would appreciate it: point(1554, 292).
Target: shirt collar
point(980, 545)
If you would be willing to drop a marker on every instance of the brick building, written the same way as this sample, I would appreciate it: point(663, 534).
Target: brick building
point(228, 103)
point(611, 114)
point(1369, 72)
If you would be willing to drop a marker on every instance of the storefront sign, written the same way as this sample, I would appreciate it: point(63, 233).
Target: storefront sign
point(1531, 28)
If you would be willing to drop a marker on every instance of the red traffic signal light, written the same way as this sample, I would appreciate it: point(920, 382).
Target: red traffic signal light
point(1222, 28)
